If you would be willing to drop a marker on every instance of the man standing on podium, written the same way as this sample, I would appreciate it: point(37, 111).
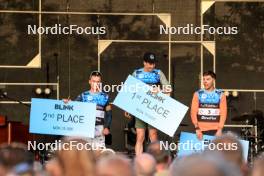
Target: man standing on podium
point(209, 108)
point(155, 78)
point(103, 109)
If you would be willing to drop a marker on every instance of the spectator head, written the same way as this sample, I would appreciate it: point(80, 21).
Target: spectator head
point(114, 165)
point(202, 165)
point(144, 165)
point(162, 156)
point(231, 149)
point(73, 160)
point(15, 157)
point(258, 166)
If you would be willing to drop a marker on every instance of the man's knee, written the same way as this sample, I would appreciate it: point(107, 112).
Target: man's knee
point(140, 136)
point(153, 135)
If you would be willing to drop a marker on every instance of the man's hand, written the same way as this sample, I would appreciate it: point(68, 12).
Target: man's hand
point(155, 89)
point(127, 115)
point(66, 100)
point(199, 134)
point(218, 132)
point(167, 90)
point(106, 131)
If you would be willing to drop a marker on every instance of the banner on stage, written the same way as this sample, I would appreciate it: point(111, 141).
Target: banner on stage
point(156, 109)
point(57, 118)
point(189, 144)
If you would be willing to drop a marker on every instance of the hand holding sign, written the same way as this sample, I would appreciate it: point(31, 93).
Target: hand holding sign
point(127, 115)
point(199, 134)
point(66, 100)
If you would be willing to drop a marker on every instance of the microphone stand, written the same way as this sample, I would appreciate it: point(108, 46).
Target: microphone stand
point(255, 123)
point(4, 95)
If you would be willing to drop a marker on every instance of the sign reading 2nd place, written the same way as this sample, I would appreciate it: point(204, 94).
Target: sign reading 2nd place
point(156, 109)
point(57, 118)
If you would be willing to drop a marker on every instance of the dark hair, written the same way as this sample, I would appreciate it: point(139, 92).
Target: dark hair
point(14, 154)
point(160, 155)
point(95, 73)
point(210, 73)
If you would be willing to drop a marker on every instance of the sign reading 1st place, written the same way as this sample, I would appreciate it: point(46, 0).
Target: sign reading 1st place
point(57, 118)
point(156, 109)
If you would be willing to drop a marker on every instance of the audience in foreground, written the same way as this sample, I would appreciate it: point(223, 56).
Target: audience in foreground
point(16, 160)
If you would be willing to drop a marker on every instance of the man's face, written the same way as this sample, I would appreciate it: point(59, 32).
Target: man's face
point(95, 82)
point(149, 66)
point(208, 82)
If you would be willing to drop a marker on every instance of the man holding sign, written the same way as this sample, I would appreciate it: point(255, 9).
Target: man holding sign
point(103, 108)
point(153, 77)
point(209, 109)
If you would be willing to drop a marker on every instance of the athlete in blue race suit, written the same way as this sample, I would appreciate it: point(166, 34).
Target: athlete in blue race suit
point(103, 109)
point(154, 77)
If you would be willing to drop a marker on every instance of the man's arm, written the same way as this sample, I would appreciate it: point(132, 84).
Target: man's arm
point(166, 87)
point(223, 112)
point(194, 110)
point(107, 120)
point(108, 116)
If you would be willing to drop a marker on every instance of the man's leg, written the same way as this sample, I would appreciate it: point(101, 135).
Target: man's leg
point(153, 134)
point(141, 129)
point(140, 140)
